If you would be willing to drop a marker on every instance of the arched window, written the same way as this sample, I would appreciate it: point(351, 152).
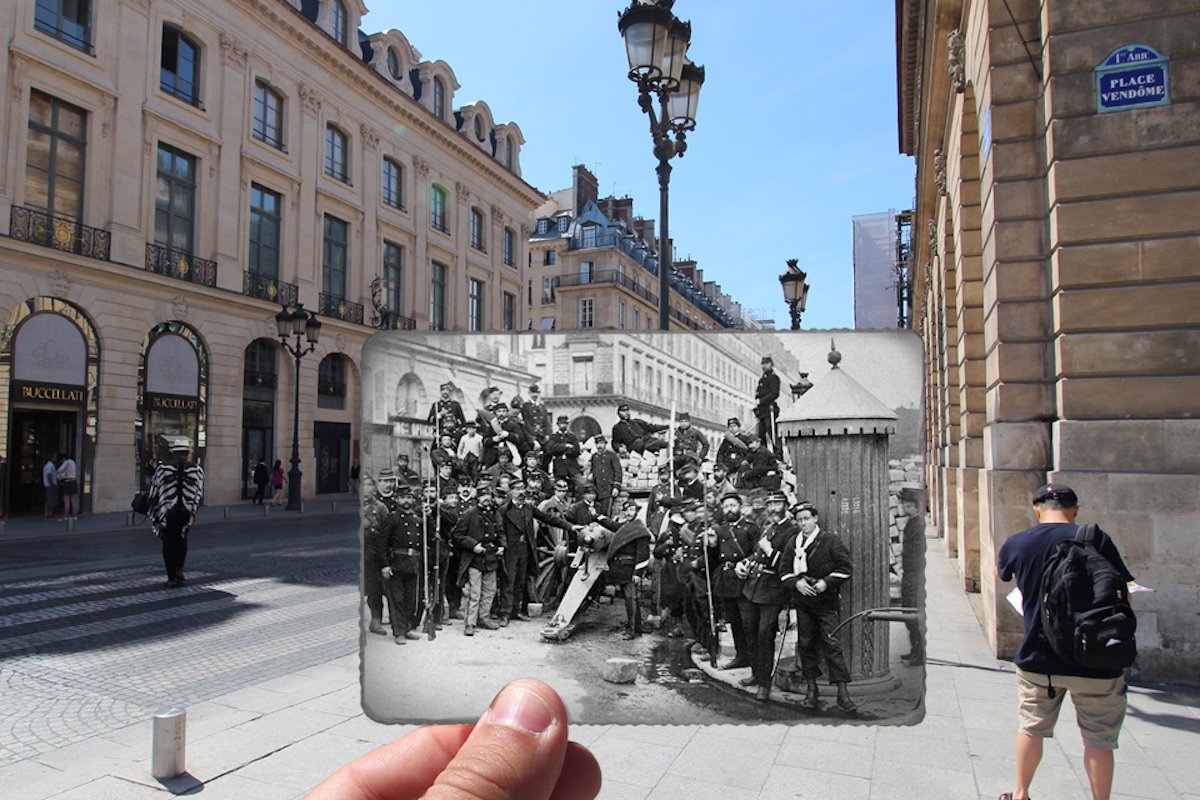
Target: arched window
point(179, 75)
point(268, 115)
point(439, 99)
point(437, 209)
point(331, 382)
point(478, 128)
point(393, 63)
point(339, 21)
point(393, 183)
point(337, 160)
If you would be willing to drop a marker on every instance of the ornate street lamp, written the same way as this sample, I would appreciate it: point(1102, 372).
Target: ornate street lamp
point(795, 290)
point(656, 43)
point(298, 323)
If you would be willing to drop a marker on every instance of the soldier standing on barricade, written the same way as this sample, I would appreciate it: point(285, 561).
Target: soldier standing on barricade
point(606, 474)
point(636, 434)
point(444, 453)
point(733, 542)
point(690, 445)
point(766, 593)
point(734, 448)
point(518, 434)
point(562, 450)
point(520, 551)
point(446, 414)
point(536, 417)
point(404, 573)
point(480, 542)
point(767, 409)
point(815, 565)
point(537, 483)
point(377, 523)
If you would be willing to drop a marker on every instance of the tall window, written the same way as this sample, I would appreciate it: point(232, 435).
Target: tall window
point(437, 209)
point(439, 98)
point(510, 311)
point(268, 115)
point(622, 315)
point(336, 156)
point(589, 235)
point(477, 230)
point(583, 375)
point(340, 23)
point(333, 260)
point(179, 75)
point(175, 201)
point(585, 272)
point(543, 225)
point(437, 297)
point(54, 158)
point(508, 154)
point(393, 269)
point(548, 290)
point(393, 183)
point(331, 381)
point(587, 313)
point(550, 258)
point(393, 64)
point(474, 305)
point(265, 208)
point(509, 257)
point(69, 21)
point(637, 319)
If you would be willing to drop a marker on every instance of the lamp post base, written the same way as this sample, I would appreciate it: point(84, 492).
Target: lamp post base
point(293, 503)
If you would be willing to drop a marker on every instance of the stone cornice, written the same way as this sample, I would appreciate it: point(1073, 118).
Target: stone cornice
point(291, 24)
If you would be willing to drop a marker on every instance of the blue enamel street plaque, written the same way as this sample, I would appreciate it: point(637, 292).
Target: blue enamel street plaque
point(1133, 76)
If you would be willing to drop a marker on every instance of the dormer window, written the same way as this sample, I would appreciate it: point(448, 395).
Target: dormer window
point(339, 22)
point(563, 223)
point(393, 63)
point(543, 226)
point(439, 98)
point(478, 128)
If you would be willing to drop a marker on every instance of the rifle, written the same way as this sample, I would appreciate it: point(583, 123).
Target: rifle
point(714, 643)
point(430, 626)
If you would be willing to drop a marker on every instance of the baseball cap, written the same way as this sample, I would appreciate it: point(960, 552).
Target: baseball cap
point(1060, 493)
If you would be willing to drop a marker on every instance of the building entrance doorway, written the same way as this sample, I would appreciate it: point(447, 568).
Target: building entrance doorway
point(38, 435)
point(333, 457)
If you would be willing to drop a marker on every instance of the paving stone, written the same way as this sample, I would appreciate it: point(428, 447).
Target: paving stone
point(619, 790)
point(836, 757)
point(111, 788)
point(737, 763)
point(788, 782)
point(306, 763)
point(892, 779)
point(637, 763)
point(676, 787)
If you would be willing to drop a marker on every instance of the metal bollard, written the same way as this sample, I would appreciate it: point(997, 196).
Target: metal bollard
point(226, 512)
point(266, 509)
point(333, 505)
point(128, 519)
point(167, 758)
point(70, 524)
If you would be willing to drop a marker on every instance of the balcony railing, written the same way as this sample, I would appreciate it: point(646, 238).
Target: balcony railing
point(256, 284)
point(180, 265)
point(628, 245)
point(259, 380)
point(340, 308)
point(609, 276)
point(60, 233)
point(393, 321)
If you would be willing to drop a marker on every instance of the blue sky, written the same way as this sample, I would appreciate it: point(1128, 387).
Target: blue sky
point(796, 126)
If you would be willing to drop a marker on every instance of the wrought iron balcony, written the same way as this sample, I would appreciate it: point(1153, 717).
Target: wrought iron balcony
point(60, 233)
point(393, 321)
point(340, 308)
point(608, 276)
point(260, 380)
point(256, 284)
point(180, 265)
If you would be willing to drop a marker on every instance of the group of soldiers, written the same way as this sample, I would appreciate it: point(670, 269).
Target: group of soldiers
point(726, 550)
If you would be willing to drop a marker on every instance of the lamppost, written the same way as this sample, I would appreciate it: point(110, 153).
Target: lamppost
point(656, 43)
point(297, 323)
point(795, 290)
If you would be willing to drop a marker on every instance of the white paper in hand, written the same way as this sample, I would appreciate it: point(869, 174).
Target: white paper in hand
point(1015, 600)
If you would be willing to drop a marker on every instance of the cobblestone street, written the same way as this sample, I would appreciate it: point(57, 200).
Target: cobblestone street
point(90, 641)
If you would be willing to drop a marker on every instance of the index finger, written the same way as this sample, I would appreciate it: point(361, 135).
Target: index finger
point(405, 768)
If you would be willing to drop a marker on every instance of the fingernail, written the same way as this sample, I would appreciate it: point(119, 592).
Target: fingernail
point(517, 707)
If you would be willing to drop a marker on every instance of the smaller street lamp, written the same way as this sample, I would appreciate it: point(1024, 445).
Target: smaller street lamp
point(795, 290)
point(298, 323)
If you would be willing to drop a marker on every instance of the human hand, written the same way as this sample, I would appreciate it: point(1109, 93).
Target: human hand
point(805, 587)
point(387, 573)
point(478, 549)
point(518, 749)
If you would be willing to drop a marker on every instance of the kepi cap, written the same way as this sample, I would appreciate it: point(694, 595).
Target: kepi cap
point(731, 495)
point(733, 421)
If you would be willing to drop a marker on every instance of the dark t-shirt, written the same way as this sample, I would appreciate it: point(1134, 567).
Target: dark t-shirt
point(1024, 556)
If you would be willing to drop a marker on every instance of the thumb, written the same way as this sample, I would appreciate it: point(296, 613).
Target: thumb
point(515, 752)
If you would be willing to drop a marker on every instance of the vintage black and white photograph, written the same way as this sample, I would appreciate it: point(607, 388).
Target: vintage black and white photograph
point(668, 528)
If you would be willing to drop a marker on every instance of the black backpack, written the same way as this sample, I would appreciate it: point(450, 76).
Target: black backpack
point(1086, 616)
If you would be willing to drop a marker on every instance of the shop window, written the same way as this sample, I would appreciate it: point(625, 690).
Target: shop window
point(331, 382)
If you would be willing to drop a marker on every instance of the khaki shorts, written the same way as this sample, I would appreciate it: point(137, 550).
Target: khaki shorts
point(1099, 706)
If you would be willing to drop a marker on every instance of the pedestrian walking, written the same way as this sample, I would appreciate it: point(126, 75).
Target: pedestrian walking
point(50, 487)
point(1044, 677)
point(278, 481)
point(175, 494)
point(68, 485)
point(262, 476)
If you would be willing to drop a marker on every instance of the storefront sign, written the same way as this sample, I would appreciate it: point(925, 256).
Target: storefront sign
point(1133, 76)
point(162, 402)
point(30, 392)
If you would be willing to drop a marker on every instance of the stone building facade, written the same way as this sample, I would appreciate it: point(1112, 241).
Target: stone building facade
point(1055, 252)
point(175, 171)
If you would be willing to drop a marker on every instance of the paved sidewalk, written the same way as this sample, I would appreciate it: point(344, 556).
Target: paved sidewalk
point(280, 738)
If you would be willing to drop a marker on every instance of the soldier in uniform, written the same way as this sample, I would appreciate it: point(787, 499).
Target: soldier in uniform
point(627, 555)
point(912, 565)
point(480, 542)
point(691, 446)
point(670, 552)
point(439, 522)
point(446, 415)
point(606, 473)
point(518, 434)
point(733, 543)
point(444, 453)
point(815, 564)
point(761, 469)
point(735, 446)
point(655, 508)
point(518, 516)
point(690, 484)
point(636, 434)
point(765, 593)
point(767, 409)
point(696, 537)
point(537, 482)
point(377, 523)
point(405, 568)
point(562, 450)
point(405, 476)
point(536, 417)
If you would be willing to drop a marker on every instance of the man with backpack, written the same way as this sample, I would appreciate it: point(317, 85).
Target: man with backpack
point(175, 494)
point(1064, 648)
